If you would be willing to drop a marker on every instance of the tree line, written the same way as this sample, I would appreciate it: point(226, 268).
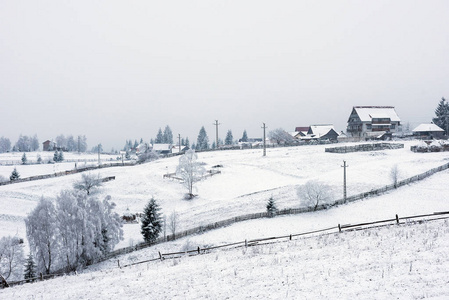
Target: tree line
point(31, 143)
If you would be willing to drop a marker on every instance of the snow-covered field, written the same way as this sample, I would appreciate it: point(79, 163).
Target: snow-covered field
point(405, 262)
point(397, 262)
point(246, 183)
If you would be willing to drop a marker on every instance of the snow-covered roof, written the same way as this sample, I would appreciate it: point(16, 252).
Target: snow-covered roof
point(161, 147)
point(428, 127)
point(321, 130)
point(366, 113)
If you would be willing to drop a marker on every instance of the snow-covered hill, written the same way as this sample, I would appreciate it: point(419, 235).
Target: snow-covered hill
point(404, 262)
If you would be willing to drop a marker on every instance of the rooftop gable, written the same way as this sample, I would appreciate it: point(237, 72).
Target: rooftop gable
point(428, 128)
point(367, 113)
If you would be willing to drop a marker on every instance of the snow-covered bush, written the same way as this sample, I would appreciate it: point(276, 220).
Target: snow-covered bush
point(422, 147)
point(435, 146)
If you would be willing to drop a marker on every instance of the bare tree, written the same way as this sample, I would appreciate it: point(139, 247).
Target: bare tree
point(88, 183)
point(42, 230)
point(11, 258)
point(394, 175)
point(280, 136)
point(190, 170)
point(173, 221)
point(314, 193)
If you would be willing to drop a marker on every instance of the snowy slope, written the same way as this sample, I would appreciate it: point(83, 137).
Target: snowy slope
point(246, 183)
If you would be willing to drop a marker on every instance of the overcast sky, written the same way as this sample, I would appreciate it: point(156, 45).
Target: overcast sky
point(118, 70)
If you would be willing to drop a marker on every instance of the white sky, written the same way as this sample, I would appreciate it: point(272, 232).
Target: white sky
point(117, 70)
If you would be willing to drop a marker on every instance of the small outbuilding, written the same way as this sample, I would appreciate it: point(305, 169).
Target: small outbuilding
point(429, 130)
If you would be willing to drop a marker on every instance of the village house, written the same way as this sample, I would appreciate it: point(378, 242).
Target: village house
point(323, 132)
point(48, 145)
point(429, 131)
point(373, 121)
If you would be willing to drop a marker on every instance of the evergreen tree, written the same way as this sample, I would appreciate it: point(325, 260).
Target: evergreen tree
point(135, 144)
point(30, 268)
point(213, 145)
point(60, 156)
point(14, 175)
point(202, 142)
point(167, 138)
point(39, 159)
point(55, 156)
point(159, 137)
point(244, 137)
point(271, 207)
point(24, 159)
point(229, 139)
point(442, 115)
point(187, 142)
point(151, 221)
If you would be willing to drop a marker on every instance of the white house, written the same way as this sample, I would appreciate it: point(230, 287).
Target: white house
point(373, 121)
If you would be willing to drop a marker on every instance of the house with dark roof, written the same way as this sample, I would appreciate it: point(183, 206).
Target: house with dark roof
point(373, 121)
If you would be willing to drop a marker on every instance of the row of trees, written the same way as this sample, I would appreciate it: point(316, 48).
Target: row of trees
point(31, 143)
point(74, 230)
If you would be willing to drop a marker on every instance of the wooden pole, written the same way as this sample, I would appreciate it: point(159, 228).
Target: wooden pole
point(344, 179)
point(264, 140)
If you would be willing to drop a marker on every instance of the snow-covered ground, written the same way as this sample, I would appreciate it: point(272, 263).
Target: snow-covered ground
point(396, 262)
point(244, 186)
point(402, 262)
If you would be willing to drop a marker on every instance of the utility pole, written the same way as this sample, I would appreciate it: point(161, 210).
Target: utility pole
point(179, 141)
point(78, 144)
point(216, 133)
point(264, 141)
point(344, 179)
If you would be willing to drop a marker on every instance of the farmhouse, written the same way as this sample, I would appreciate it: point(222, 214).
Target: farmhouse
point(322, 132)
point(162, 148)
point(428, 131)
point(372, 121)
point(48, 145)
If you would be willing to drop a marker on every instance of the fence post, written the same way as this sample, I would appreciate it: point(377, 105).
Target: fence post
point(118, 263)
point(160, 255)
point(397, 219)
point(339, 228)
point(246, 243)
point(290, 237)
point(41, 276)
point(198, 250)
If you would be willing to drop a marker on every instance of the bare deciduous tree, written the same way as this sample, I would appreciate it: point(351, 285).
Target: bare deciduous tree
point(394, 175)
point(173, 221)
point(11, 258)
point(280, 136)
point(190, 170)
point(314, 193)
point(88, 183)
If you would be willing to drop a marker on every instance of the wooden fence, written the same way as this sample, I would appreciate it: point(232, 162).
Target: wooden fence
point(68, 172)
point(261, 241)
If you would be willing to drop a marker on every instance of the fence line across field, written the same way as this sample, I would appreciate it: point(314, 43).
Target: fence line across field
point(261, 241)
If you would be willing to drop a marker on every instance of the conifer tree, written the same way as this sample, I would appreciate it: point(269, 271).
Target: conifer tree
point(55, 156)
point(24, 159)
point(159, 137)
point(271, 207)
point(151, 221)
point(244, 137)
point(30, 268)
point(229, 138)
point(442, 115)
point(202, 142)
point(60, 156)
point(167, 137)
point(14, 175)
point(39, 159)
